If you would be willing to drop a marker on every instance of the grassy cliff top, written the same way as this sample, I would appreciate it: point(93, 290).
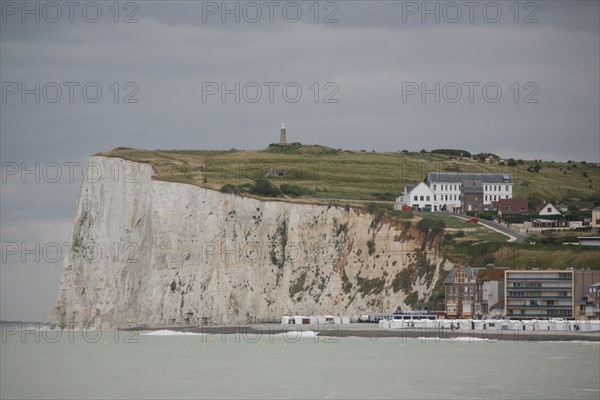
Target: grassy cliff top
point(357, 175)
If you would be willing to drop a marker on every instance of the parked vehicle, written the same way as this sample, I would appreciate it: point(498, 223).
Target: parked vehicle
point(473, 220)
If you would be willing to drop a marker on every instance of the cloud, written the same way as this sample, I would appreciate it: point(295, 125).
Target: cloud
point(362, 61)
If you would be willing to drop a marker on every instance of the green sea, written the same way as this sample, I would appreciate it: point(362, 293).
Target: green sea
point(164, 364)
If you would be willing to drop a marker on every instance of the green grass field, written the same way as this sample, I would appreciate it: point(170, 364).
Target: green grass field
point(351, 175)
point(359, 177)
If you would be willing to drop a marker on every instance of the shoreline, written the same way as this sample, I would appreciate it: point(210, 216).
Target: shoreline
point(372, 331)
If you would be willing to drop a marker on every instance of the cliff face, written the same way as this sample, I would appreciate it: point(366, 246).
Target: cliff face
point(153, 253)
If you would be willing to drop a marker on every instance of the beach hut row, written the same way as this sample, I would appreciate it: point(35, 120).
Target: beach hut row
point(495, 324)
point(312, 320)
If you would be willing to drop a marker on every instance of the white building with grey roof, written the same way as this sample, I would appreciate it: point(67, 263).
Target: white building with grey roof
point(447, 190)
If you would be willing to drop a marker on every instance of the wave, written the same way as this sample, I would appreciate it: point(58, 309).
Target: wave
point(166, 332)
point(292, 334)
point(454, 339)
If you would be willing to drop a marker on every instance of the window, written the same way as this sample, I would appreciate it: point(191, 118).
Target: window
point(421, 198)
point(427, 198)
point(416, 198)
point(434, 196)
point(434, 187)
point(548, 209)
point(507, 188)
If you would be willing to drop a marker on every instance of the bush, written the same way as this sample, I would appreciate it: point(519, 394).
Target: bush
point(384, 196)
point(263, 187)
point(511, 162)
point(452, 152)
point(486, 215)
point(534, 168)
point(433, 227)
point(371, 246)
point(295, 190)
point(408, 214)
point(229, 188)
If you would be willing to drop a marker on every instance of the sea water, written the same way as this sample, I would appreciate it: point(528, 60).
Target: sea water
point(166, 364)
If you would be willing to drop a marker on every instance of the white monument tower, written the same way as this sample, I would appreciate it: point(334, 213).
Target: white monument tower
point(282, 138)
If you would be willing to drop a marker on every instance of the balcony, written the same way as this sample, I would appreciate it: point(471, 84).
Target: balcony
point(538, 306)
point(540, 297)
point(540, 279)
point(567, 288)
point(525, 316)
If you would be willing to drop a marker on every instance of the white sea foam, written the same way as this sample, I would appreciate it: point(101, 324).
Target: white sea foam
point(292, 334)
point(166, 332)
point(454, 339)
point(590, 342)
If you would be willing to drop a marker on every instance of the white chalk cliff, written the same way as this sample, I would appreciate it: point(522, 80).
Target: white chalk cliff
point(152, 253)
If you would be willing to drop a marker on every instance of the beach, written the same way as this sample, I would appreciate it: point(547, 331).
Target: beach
point(368, 330)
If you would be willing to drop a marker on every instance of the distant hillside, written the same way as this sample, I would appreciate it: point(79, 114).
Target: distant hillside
point(328, 173)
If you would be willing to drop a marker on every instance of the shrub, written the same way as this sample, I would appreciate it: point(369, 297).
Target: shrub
point(408, 214)
point(384, 196)
point(433, 227)
point(263, 187)
point(371, 246)
point(452, 152)
point(229, 188)
point(295, 190)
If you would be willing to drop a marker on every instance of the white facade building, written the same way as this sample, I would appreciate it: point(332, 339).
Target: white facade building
point(418, 196)
point(549, 209)
point(445, 190)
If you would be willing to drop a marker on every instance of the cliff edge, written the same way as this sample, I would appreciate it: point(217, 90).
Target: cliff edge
point(152, 253)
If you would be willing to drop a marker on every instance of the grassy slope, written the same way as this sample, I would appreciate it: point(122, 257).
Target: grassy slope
point(357, 175)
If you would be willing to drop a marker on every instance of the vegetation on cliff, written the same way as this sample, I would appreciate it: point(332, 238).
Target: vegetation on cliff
point(359, 175)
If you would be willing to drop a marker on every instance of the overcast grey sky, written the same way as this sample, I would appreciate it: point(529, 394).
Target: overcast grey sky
point(369, 60)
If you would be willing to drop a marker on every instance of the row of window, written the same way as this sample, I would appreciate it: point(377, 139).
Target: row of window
point(489, 197)
point(527, 284)
point(442, 197)
point(454, 297)
point(487, 188)
point(450, 197)
point(535, 294)
point(447, 187)
point(456, 289)
point(495, 188)
point(558, 312)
